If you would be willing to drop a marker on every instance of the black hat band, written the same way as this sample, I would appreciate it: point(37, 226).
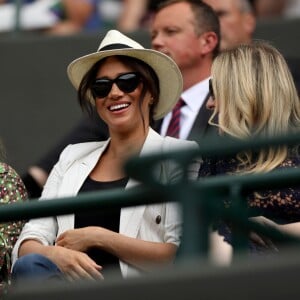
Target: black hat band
point(114, 47)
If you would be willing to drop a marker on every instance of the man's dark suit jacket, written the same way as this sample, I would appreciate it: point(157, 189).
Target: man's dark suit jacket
point(200, 126)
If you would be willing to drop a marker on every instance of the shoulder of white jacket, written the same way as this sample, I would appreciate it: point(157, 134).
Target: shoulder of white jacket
point(180, 143)
point(81, 150)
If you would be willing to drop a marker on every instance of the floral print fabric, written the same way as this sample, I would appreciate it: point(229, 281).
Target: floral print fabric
point(12, 190)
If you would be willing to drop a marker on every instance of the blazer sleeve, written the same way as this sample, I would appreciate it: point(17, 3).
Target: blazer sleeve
point(173, 217)
point(174, 171)
point(44, 230)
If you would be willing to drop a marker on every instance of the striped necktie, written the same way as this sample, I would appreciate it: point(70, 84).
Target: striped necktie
point(174, 126)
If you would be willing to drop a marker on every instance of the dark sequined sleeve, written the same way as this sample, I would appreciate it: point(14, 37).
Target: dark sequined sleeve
point(281, 205)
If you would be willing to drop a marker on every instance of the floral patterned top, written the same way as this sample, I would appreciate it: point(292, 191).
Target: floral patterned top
point(12, 190)
point(279, 205)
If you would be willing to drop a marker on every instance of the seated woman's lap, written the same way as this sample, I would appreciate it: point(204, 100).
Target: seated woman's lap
point(35, 266)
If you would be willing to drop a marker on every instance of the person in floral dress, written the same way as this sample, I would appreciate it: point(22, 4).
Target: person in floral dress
point(12, 190)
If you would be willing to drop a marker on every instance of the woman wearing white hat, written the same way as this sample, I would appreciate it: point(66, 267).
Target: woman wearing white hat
point(129, 85)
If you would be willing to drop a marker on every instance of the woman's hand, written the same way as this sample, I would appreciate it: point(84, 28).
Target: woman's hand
point(141, 254)
point(76, 239)
point(292, 229)
point(261, 239)
point(264, 221)
point(75, 264)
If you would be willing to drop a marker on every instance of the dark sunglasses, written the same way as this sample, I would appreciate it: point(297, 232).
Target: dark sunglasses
point(211, 90)
point(127, 83)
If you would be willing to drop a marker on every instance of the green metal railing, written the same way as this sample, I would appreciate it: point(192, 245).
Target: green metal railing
point(200, 200)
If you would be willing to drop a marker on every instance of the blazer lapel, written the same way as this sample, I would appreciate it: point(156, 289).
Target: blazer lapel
point(73, 182)
point(81, 169)
point(131, 217)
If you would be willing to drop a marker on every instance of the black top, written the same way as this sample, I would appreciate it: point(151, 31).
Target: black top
point(108, 218)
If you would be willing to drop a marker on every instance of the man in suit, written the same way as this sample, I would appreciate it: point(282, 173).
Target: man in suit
point(186, 30)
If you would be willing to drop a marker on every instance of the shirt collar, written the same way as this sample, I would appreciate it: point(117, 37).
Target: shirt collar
point(195, 95)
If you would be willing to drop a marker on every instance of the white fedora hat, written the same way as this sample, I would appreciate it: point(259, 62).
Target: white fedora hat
point(116, 43)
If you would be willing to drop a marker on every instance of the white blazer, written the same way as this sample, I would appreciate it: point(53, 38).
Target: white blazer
point(67, 176)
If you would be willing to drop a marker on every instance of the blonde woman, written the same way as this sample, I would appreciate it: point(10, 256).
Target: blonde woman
point(253, 93)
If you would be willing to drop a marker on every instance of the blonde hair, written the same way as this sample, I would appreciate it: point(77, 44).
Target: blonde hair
point(255, 95)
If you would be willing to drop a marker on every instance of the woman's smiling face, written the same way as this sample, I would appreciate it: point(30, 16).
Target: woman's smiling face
point(119, 109)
